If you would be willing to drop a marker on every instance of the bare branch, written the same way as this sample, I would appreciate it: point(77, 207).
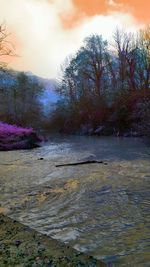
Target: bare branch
point(6, 47)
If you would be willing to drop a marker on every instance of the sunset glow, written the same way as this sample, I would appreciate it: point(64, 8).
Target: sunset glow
point(138, 8)
point(44, 32)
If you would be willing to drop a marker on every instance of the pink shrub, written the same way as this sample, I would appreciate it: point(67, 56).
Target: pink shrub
point(14, 137)
point(7, 129)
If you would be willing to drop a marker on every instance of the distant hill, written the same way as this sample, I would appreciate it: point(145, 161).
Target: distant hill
point(8, 78)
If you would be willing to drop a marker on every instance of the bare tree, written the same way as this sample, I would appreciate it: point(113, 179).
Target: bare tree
point(144, 45)
point(126, 46)
point(6, 47)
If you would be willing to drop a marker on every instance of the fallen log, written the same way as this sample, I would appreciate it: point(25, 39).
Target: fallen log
point(81, 163)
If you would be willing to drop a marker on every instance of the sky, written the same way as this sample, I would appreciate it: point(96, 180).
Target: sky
point(45, 32)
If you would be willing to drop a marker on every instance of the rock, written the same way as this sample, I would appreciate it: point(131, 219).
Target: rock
point(99, 129)
point(131, 134)
point(86, 129)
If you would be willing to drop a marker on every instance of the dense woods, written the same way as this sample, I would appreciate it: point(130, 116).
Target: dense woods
point(19, 99)
point(106, 87)
point(19, 92)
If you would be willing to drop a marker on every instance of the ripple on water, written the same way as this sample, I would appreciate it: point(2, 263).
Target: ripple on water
point(96, 208)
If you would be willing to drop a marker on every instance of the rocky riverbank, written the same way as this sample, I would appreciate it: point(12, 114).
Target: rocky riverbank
point(21, 246)
point(13, 137)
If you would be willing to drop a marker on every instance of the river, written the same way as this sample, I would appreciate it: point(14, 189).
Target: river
point(96, 208)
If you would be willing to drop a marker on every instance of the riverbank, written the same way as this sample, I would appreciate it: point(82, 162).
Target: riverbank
point(24, 247)
point(13, 137)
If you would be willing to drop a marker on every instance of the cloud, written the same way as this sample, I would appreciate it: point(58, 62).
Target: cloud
point(138, 8)
point(43, 41)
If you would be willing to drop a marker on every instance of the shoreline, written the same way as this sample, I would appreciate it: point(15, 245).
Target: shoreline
point(24, 247)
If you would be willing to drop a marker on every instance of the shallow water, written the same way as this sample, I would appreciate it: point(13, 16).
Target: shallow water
point(96, 208)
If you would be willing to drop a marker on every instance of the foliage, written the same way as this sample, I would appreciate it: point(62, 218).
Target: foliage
point(19, 92)
point(14, 137)
point(19, 99)
point(106, 86)
point(7, 129)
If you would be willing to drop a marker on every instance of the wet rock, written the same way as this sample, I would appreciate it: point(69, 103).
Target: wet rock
point(86, 129)
point(131, 134)
point(99, 130)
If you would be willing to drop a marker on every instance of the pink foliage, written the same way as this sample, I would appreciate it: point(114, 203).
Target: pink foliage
point(7, 129)
point(14, 137)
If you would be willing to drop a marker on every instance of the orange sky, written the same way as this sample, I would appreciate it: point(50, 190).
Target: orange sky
point(45, 32)
point(138, 8)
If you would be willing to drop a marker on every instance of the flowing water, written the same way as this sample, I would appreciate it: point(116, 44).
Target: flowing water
point(96, 208)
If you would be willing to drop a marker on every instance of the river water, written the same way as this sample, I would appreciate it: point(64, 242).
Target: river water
point(96, 208)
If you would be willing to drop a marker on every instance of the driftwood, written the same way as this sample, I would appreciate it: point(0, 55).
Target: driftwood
point(81, 163)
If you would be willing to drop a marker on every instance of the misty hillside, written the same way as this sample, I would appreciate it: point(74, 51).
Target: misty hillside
point(26, 99)
point(8, 78)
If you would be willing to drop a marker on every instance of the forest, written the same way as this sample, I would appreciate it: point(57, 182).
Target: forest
point(104, 89)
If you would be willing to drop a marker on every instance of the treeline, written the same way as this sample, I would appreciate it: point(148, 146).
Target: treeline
point(19, 91)
point(106, 87)
point(19, 99)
